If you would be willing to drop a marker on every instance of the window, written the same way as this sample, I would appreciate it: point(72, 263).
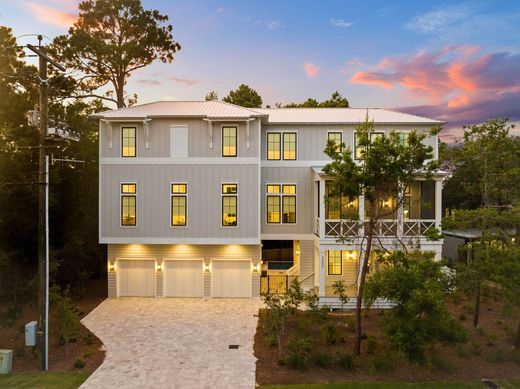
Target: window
point(403, 138)
point(274, 145)
point(337, 138)
point(340, 207)
point(281, 203)
point(229, 141)
point(179, 204)
point(229, 205)
point(289, 146)
point(128, 141)
point(334, 262)
point(358, 149)
point(129, 204)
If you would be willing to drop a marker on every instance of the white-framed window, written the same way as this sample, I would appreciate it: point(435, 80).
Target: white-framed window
point(281, 203)
point(334, 262)
point(274, 146)
point(403, 138)
point(128, 142)
point(229, 205)
point(179, 204)
point(336, 137)
point(229, 141)
point(290, 149)
point(128, 193)
point(282, 145)
point(357, 149)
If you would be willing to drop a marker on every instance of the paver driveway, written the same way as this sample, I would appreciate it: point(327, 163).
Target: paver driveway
point(174, 343)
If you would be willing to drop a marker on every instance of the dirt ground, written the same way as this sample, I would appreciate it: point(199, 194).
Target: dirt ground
point(487, 354)
point(88, 346)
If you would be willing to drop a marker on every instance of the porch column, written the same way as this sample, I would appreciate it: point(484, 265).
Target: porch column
point(438, 203)
point(322, 273)
point(361, 209)
point(321, 194)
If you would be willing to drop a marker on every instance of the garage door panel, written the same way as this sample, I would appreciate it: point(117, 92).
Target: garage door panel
point(183, 278)
point(136, 278)
point(231, 279)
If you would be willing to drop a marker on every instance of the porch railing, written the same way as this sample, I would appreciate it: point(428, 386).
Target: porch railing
point(383, 228)
point(344, 228)
point(275, 283)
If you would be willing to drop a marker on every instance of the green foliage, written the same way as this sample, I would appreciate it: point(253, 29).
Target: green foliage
point(110, 40)
point(339, 288)
point(335, 101)
point(298, 352)
point(345, 359)
point(79, 363)
point(475, 348)
point(371, 345)
point(323, 360)
point(383, 363)
point(68, 323)
point(244, 96)
point(211, 96)
point(89, 339)
point(416, 284)
point(330, 333)
point(351, 323)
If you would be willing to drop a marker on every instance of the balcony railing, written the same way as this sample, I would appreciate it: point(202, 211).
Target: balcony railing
point(383, 228)
point(414, 228)
point(343, 228)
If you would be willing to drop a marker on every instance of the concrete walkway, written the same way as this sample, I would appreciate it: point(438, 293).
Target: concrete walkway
point(174, 343)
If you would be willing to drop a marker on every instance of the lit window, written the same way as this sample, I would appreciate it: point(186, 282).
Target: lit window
point(339, 207)
point(128, 141)
point(229, 141)
point(403, 138)
point(229, 205)
point(179, 204)
point(273, 145)
point(358, 149)
point(334, 259)
point(281, 203)
point(336, 137)
point(289, 145)
point(128, 204)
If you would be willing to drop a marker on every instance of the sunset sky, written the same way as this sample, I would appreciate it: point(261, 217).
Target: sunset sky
point(456, 61)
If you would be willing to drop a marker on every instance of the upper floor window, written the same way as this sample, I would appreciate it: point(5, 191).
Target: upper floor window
point(358, 150)
point(129, 204)
point(281, 203)
point(340, 207)
point(229, 205)
point(128, 141)
point(229, 141)
point(403, 138)
point(337, 138)
point(282, 145)
point(179, 198)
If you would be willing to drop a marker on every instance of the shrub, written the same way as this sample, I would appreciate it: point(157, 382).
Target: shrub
point(67, 319)
point(462, 317)
point(382, 363)
point(322, 360)
point(498, 356)
point(304, 324)
point(89, 338)
point(437, 362)
point(330, 333)
point(298, 352)
point(490, 340)
point(79, 363)
point(480, 331)
point(462, 351)
point(340, 290)
point(371, 345)
point(345, 360)
point(475, 348)
point(351, 324)
point(364, 336)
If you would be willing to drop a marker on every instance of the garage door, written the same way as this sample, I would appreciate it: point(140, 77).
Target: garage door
point(136, 278)
point(231, 278)
point(183, 278)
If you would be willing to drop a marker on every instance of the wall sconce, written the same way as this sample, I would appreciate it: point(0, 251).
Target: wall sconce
point(111, 266)
point(159, 266)
point(386, 203)
point(256, 267)
point(206, 268)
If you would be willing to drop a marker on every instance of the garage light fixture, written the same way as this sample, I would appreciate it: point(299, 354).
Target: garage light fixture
point(256, 267)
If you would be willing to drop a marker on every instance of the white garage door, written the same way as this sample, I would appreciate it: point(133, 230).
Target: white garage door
point(183, 278)
point(231, 278)
point(136, 278)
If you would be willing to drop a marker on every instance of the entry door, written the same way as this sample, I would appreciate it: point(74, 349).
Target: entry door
point(231, 279)
point(183, 278)
point(136, 278)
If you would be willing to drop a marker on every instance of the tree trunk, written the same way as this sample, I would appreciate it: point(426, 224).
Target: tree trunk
point(476, 308)
point(120, 92)
point(517, 338)
point(359, 302)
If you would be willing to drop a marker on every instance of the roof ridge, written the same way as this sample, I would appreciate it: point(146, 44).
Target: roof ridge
point(235, 105)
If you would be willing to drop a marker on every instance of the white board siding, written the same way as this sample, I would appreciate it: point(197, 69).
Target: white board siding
point(307, 263)
point(178, 141)
point(183, 278)
point(231, 279)
point(136, 278)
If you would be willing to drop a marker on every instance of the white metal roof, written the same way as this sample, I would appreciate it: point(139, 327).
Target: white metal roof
point(210, 109)
point(342, 115)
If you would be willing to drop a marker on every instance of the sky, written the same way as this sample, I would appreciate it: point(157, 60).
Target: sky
point(453, 61)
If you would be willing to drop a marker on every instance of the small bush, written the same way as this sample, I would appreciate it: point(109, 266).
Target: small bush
point(79, 363)
point(438, 363)
point(351, 324)
point(364, 336)
point(89, 339)
point(480, 331)
point(345, 360)
point(475, 348)
point(490, 340)
point(499, 356)
point(298, 352)
point(330, 333)
point(304, 324)
point(371, 345)
point(462, 351)
point(462, 317)
point(271, 340)
point(322, 360)
point(382, 363)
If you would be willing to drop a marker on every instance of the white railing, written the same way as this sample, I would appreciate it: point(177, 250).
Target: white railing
point(415, 228)
point(339, 228)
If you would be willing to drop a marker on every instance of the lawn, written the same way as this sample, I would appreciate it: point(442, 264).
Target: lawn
point(505, 384)
point(41, 380)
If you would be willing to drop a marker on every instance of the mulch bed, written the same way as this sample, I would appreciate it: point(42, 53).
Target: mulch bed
point(87, 347)
point(487, 354)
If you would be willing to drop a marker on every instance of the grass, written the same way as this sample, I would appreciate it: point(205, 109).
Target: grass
point(43, 380)
point(505, 384)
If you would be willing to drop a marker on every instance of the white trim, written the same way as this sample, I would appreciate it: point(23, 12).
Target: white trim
point(292, 163)
point(287, 236)
point(179, 240)
point(121, 194)
point(182, 161)
point(231, 260)
point(146, 127)
point(172, 195)
point(229, 195)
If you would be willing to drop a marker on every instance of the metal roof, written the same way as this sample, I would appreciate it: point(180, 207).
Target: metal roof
point(342, 116)
point(206, 109)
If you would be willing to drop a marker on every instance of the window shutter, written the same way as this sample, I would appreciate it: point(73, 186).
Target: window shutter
point(178, 141)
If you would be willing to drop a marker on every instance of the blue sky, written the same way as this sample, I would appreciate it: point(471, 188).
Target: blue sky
point(457, 61)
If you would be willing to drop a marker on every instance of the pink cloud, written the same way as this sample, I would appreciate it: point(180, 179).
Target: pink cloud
point(51, 15)
point(185, 81)
point(311, 70)
point(458, 84)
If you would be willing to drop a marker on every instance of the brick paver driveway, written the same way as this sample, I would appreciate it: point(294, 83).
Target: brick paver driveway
point(174, 343)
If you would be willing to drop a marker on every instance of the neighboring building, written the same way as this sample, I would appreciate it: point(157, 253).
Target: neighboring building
point(207, 199)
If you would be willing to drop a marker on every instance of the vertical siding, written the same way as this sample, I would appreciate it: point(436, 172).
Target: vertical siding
point(256, 285)
point(112, 290)
point(307, 263)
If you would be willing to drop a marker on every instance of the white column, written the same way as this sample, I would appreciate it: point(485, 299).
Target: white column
point(322, 273)
point(438, 203)
point(361, 206)
point(322, 208)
